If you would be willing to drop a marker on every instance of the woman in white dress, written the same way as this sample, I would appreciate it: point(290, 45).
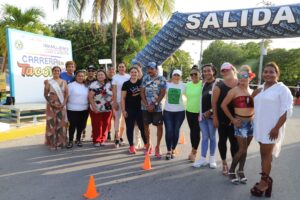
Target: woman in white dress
point(272, 97)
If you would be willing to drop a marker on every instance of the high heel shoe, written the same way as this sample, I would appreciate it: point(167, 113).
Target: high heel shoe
point(255, 191)
point(242, 177)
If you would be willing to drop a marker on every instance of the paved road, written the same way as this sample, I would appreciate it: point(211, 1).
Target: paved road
point(29, 171)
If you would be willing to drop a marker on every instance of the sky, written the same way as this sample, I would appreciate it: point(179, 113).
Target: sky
point(193, 47)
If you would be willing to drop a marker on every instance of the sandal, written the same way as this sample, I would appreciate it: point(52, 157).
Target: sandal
point(242, 177)
point(232, 177)
point(258, 192)
point(225, 170)
point(157, 153)
point(168, 156)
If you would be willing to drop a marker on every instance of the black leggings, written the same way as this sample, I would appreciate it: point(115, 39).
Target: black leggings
point(134, 116)
point(193, 122)
point(227, 132)
point(77, 120)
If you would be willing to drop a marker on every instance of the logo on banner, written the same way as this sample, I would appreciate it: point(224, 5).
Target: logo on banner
point(19, 44)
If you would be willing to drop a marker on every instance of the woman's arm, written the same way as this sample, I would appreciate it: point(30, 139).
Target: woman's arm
point(123, 98)
point(114, 97)
point(275, 131)
point(215, 97)
point(46, 91)
point(224, 106)
point(66, 94)
point(92, 102)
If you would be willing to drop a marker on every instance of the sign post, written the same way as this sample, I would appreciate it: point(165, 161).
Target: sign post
point(30, 61)
point(105, 62)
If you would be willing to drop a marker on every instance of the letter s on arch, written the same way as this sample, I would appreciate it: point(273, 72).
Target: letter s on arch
point(194, 21)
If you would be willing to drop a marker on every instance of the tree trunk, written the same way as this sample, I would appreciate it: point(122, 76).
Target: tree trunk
point(114, 34)
point(4, 61)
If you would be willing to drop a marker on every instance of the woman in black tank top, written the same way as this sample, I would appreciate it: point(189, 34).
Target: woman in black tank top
point(220, 120)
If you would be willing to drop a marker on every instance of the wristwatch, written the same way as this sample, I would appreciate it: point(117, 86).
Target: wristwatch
point(156, 103)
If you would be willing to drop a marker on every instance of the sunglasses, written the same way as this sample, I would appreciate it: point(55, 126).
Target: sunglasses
point(176, 75)
point(194, 74)
point(243, 76)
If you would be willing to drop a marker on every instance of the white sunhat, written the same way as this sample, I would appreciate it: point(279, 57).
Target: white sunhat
point(177, 71)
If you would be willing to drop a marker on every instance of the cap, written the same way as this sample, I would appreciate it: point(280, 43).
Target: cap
point(91, 67)
point(135, 62)
point(177, 71)
point(152, 65)
point(226, 65)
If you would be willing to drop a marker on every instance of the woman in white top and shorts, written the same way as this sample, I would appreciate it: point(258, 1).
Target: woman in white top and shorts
point(273, 103)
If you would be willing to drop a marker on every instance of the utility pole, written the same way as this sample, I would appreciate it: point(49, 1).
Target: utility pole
point(201, 53)
point(261, 58)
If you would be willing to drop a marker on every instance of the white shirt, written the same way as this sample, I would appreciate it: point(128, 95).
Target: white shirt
point(174, 102)
point(269, 106)
point(118, 80)
point(78, 97)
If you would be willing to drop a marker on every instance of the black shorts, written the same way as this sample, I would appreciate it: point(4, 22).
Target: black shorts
point(155, 118)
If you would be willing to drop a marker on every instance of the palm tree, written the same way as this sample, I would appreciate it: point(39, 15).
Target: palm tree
point(13, 17)
point(129, 10)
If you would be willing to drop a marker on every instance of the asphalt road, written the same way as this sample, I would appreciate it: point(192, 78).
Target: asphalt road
point(29, 171)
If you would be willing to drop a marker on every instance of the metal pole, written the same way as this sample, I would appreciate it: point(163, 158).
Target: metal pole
point(261, 58)
point(201, 50)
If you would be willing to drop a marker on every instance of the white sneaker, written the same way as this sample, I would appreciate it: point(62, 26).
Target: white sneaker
point(212, 162)
point(97, 145)
point(200, 163)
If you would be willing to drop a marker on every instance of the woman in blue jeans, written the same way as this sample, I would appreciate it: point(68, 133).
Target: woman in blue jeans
point(173, 112)
point(208, 131)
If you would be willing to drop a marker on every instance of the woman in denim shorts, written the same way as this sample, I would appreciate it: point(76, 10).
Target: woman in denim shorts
point(242, 101)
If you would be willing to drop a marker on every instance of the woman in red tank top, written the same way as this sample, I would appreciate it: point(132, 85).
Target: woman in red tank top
point(240, 97)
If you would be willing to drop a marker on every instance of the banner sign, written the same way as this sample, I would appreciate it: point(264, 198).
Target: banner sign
point(31, 58)
point(254, 23)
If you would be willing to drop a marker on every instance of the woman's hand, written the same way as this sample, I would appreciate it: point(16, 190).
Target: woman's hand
point(207, 114)
point(150, 108)
point(125, 114)
point(237, 122)
point(274, 134)
point(215, 122)
point(115, 106)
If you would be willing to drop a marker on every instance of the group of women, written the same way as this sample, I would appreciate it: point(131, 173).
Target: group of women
point(227, 105)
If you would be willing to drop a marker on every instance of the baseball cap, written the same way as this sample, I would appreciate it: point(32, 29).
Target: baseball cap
point(177, 71)
point(152, 65)
point(91, 67)
point(226, 65)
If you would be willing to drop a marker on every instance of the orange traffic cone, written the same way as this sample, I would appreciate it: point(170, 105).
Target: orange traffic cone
point(182, 139)
point(147, 163)
point(91, 192)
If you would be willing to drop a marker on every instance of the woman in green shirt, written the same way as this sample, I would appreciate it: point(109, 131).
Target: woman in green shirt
point(193, 94)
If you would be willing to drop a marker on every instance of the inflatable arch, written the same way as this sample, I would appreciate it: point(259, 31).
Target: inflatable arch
point(253, 23)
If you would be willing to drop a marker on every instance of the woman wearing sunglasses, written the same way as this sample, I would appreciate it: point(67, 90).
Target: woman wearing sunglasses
point(240, 97)
point(220, 120)
point(193, 94)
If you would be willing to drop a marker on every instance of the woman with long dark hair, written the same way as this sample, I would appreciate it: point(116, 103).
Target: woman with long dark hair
point(208, 131)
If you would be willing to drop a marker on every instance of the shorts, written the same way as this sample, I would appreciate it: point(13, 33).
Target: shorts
point(155, 118)
point(246, 129)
